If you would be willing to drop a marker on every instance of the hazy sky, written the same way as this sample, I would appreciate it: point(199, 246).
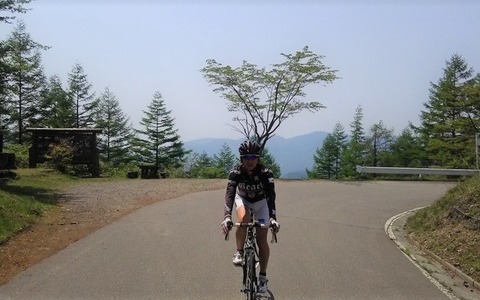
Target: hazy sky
point(387, 54)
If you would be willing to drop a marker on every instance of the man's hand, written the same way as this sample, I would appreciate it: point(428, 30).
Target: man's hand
point(274, 225)
point(226, 225)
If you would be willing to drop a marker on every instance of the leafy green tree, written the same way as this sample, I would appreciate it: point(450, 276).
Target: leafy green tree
point(159, 143)
point(12, 6)
point(225, 159)
point(407, 150)
point(79, 93)
point(447, 128)
point(26, 80)
point(115, 142)
point(327, 158)
point(263, 98)
point(354, 153)
point(379, 145)
point(57, 110)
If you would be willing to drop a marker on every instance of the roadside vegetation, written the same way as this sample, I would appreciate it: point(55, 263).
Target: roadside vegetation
point(29, 196)
point(450, 227)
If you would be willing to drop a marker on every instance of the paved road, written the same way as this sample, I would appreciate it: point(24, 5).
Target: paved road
point(332, 245)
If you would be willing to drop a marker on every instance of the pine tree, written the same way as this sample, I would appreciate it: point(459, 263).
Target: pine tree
point(115, 142)
point(225, 159)
point(407, 150)
point(268, 160)
point(328, 157)
point(447, 129)
point(57, 110)
point(159, 143)
point(324, 159)
point(79, 93)
point(354, 153)
point(25, 82)
point(379, 145)
point(5, 73)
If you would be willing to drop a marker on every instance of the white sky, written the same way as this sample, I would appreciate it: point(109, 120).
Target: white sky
point(387, 54)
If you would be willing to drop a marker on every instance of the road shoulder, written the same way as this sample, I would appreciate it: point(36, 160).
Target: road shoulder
point(451, 281)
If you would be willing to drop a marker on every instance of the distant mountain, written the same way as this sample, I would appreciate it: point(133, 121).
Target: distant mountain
point(294, 155)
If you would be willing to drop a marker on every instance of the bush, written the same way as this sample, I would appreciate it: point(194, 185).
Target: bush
point(21, 154)
point(60, 156)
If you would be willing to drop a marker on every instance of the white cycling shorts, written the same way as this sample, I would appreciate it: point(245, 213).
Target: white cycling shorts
point(260, 208)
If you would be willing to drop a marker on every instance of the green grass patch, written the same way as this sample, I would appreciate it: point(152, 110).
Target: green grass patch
point(29, 196)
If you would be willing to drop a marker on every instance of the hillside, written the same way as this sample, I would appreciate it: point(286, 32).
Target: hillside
point(294, 155)
point(450, 227)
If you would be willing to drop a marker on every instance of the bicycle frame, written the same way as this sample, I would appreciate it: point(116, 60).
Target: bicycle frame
point(250, 257)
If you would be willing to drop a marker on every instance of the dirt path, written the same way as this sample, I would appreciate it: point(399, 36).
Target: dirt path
point(85, 208)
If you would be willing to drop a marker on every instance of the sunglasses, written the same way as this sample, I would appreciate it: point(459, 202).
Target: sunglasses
point(250, 156)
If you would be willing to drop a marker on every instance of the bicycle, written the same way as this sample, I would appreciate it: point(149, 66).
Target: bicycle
point(251, 261)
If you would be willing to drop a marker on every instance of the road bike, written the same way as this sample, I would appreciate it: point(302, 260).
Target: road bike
point(251, 261)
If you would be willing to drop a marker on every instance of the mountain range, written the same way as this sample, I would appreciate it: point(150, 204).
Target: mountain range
point(294, 155)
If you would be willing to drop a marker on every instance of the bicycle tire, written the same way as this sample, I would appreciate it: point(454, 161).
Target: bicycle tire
point(250, 276)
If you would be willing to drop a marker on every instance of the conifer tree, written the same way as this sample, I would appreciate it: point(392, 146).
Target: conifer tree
point(12, 6)
point(79, 93)
point(25, 82)
point(56, 108)
point(354, 153)
point(327, 158)
point(115, 141)
point(159, 143)
point(225, 159)
point(379, 145)
point(447, 129)
point(407, 150)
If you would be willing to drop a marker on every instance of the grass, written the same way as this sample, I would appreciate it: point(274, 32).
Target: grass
point(29, 196)
point(453, 236)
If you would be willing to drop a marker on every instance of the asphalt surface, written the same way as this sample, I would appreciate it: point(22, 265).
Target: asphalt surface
point(332, 245)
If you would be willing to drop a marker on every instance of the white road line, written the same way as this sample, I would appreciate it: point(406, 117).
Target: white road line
point(389, 232)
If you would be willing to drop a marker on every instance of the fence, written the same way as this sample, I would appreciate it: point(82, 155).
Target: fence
point(417, 171)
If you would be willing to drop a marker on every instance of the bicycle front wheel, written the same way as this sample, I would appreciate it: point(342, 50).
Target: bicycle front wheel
point(250, 276)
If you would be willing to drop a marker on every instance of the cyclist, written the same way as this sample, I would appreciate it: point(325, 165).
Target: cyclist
point(251, 186)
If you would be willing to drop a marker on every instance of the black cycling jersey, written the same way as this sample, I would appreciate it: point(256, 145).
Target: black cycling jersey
point(255, 187)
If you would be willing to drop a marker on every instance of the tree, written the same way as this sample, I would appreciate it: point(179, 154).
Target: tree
point(447, 128)
point(354, 152)
point(379, 144)
point(26, 80)
point(5, 75)
point(324, 159)
point(115, 142)
point(327, 158)
point(79, 94)
point(264, 99)
point(56, 108)
point(225, 159)
point(269, 161)
point(407, 150)
point(12, 6)
point(158, 143)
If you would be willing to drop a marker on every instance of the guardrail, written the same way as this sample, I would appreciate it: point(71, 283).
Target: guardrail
point(417, 171)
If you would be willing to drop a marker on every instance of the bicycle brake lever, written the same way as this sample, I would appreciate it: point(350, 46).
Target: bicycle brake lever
point(274, 238)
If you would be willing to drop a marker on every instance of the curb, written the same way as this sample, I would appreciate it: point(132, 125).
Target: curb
point(467, 279)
